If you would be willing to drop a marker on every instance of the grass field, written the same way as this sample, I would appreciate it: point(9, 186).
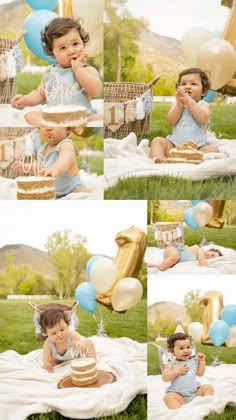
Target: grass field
point(17, 333)
point(171, 188)
point(227, 355)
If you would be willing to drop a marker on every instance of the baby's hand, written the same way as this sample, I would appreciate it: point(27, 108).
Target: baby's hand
point(81, 346)
point(79, 61)
point(18, 101)
point(201, 357)
point(50, 171)
point(17, 165)
point(182, 369)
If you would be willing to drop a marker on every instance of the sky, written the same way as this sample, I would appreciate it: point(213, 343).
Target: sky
point(174, 17)
point(173, 287)
point(31, 222)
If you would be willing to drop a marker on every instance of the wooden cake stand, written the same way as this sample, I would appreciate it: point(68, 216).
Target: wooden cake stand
point(103, 379)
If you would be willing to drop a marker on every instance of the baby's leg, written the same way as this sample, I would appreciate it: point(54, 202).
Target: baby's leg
point(174, 400)
point(205, 390)
point(208, 149)
point(95, 117)
point(171, 256)
point(82, 189)
point(159, 149)
point(34, 118)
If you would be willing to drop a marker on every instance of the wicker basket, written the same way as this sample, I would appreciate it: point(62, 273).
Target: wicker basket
point(7, 87)
point(11, 134)
point(166, 233)
point(122, 92)
point(41, 307)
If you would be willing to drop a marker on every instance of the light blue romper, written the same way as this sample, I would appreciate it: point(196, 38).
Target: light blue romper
point(185, 385)
point(184, 254)
point(64, 183)
point(61, 358)
point(188, 128)
point(62, 88)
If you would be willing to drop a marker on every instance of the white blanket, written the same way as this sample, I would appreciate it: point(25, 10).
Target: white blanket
point(225, 264)
point(92, 181)
point(125, 158)
point(26, 388)
point(223, 379)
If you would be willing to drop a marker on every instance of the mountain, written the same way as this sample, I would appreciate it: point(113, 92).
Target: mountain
point(174, 310)
point(24, 254)
point(13, 13)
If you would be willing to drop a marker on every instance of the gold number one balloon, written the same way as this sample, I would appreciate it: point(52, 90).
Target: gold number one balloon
point(213, 305)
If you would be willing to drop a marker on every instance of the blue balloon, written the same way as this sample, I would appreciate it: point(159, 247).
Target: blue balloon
point(90, 262)
point(228, 314)
point(218, 332)
point(210, 96)
point(34, 24)
point(189, 219)
point(42, 4)
point(195, 202)
point(85, 294)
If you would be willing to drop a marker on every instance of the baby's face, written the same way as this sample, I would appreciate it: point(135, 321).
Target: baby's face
point(211, 254)
point(191, 84)
point(68, 47)
point(182, 349)
point(53, 135)
point(59, 332)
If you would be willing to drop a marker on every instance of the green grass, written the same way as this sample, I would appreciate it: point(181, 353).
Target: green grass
point(17, 333)
point(223, 237)
point(26, 82)
point(171, 188)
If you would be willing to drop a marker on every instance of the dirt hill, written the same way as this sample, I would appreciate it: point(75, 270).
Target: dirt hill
point(174, 310)
point(24, 254)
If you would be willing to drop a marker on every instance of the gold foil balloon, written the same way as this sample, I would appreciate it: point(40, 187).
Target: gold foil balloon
point(66, 9)
point(218, 58)
point(231, 339)
point(128, 260)
point(202, 213)
point(126, 294)
point(213, 305)
point(191, 42)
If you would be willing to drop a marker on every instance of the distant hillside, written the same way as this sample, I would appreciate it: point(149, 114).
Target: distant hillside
point(174, 310)
point(24, 254)
point(14, 17)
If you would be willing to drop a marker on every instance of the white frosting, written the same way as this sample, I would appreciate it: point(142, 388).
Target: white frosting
point(88, 378)
point(83, 372)
point(34, 178)
point(36, 190)
point(63, 108)
point(82, 362)
point(187, 151)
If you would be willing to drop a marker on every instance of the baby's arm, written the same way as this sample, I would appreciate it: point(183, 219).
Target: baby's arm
point(47, 357)
point(201, 112)
point(33, 98)
point(63, 162)
point(201, 257)
point(175, 112)
point(88, 77)
point(201, 364)
point(169, 374)
point(23, 167)
point(83, 344)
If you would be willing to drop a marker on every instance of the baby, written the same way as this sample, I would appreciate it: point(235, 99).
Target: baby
point(69, 82)
point(182, 371)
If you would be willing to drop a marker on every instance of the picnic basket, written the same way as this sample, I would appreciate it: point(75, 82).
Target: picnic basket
point(121, 92)
point(168, 232)
point(39, 308)
point(9, 140)
point(8, 86)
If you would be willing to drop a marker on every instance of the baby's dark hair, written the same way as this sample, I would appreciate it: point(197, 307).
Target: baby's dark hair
point(216, 250)
point(192, 70)
point(59, 27)
point(50, 317)
point(174, 337)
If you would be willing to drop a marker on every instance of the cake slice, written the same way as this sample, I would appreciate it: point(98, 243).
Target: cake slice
point(83, 371)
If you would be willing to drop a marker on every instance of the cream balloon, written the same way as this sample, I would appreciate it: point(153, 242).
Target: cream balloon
point(218, 58)
point(103, 274)
point(91, 11)
point(195, 329)
point(191, 42)
point(231, 339)
point(202, 213)
point(95, 44)
point(126, 294)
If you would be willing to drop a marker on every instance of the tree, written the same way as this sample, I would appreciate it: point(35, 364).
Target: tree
point(192, 306)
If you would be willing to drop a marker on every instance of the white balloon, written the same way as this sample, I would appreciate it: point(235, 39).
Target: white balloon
point(95, 45)
point(192, 41)
point(202, 213)
point(231, 339)
point(91, 11)
point(195, 329)
point(103, 274)
point(126, 294)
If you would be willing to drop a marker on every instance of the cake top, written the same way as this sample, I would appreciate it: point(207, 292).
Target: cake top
point(34, 178)
point(85, 361)
point(187, 151)
point(63, 108)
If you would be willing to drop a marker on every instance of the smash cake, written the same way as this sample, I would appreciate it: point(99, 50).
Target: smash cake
point(83, 371)
point(186, 153)
point(35, 188)
point(64, 116)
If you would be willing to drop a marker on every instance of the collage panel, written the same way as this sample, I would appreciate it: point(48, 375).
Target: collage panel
point(73, 310)
point(169, 100)
point(191, 311)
